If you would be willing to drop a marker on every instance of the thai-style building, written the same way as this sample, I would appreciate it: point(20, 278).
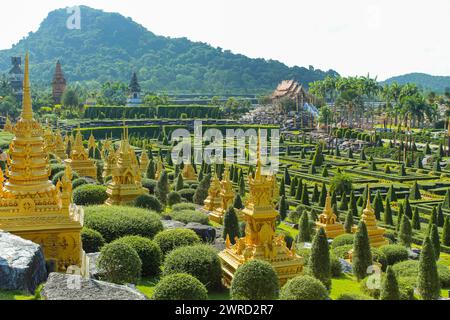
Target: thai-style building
point(79, 159)
point(126, 183)
point(8, 125)
point(329, 222)
point(135, 91)
point(59, 84)
point(189, 172)
point(260, 241)
point(227, 195)
point(291, 89)
point(144, 162)
point(60, 149)
point(30, 205)
point(214, 199)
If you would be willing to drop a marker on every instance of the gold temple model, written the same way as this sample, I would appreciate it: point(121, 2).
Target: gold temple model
point(30, 205)
point(79, 159)
point(329, 222)
point(226, 196)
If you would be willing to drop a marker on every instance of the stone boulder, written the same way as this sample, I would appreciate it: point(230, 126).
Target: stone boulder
point(76, 288)
point(206, 233)
point(22, 264)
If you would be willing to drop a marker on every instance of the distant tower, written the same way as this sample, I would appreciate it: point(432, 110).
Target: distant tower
point(135, 91)
point(59, 84)
point(15, 76)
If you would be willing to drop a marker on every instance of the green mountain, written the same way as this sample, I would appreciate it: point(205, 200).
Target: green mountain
point(438, 84)
point(109, 47)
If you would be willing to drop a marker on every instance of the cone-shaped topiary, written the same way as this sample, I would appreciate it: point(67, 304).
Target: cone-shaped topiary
point(436, 241)
point(440, 216)
point(180, 183)
point(446, 232)
point(325, 173)
point(162, 188)
point(405, 234)
point(312, 170)
point(151, 172)
point(319, 264)
point(414, 193)
point(389, 286)
point(416, 219)
point(362, 255)
point(231, 225)
point(392, 195)
point(202, 190)
point(242, 188)
point(283, 208)
point(318, 158)
point(293, 186)
point(304, 228)
point(437, 166)
point(387, 217)
point(362, 156)
point(402, 171)
point(408, 209)
point(428, 279)
point(323, 195)
point(353, 205)
point(418, 164)
point(344, 203)
point(446, 203)
point(348, 225)
point(282, 188)
point(316, 194)
point(373, 166)
point(378, 205)
point(305, 196)
point(432, 220)
point(287, 177)
point(387, 169)
point(427, 149)
point(401, 212)
point(334, 198)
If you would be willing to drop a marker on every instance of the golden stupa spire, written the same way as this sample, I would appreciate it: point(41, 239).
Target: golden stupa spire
point(368, 209)
point(27, 110)
point(258, 155)
point(328, 210)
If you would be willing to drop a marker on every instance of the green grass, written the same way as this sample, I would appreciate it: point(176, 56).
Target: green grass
point(345, 284)
point(147, 286)
point(14, 295)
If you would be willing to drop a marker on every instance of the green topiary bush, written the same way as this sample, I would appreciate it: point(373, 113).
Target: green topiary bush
point(342, 240)
point(88, 195)
point(187, 194)
point(379, 257)
point(200, 261)
point(255, 280)
point(150, 185)
point(180, 287)
point(342, 251)
point(304, 288)
point(149, 202)
point(92, 240)
point(78, 183)
point(353, 296)
point(188, 216)
point(172, 239)
point(148, 251)
point(174, 198)
point(120, 263)
point(184, 206)
point(405, 287)
point(410, 269)
point(394, 254)
point(117, 222)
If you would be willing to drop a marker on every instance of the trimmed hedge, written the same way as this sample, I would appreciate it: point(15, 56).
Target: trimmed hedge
point(410, 269)
point(304, 288)
point(78, 183)
point(184, 206)
point(200, 261)
point(342, 240)
point(172, 239)
point(187, 194)
point(149, 202)
point(148, 251)
point(117, 222)
point(188, 216)
point(150, 185)
point(394, 254)
point(173, 198)
point(92, 240)
point(180, 287)
point(88, 195)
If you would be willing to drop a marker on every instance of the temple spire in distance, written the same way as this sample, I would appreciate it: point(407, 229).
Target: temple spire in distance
point(27, 110)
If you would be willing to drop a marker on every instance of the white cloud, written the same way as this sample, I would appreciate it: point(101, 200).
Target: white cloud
point(383, 37)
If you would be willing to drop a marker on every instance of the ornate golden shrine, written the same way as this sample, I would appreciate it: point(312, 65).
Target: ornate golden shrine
point(189, 172)
point(376, 234)
point(8, 125)
point(126, 184)
point(159, 169)
point(260, 241)
point(109, 157)
point(227, 196)
point(144, 162)
point(30, 205)
point(79, 159)
point(328, 221)
point(214, 199)
point(60, 149)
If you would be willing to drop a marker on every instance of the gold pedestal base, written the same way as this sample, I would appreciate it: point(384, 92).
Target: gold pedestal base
point(83, 168)
point(332, 230)
point(376, 236)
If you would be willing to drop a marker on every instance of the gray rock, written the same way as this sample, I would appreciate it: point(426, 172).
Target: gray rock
point(94, 272)
point(170, 224)
point(70, 287)
point(346, 266)
point(206, 233)
point(22, 264)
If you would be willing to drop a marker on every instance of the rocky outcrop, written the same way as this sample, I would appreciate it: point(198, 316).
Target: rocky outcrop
point(22, 264)
point(71, 287)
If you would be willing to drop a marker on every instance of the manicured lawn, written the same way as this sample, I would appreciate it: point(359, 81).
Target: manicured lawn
point(346, 284)
point(147, 286)
point(14, 295)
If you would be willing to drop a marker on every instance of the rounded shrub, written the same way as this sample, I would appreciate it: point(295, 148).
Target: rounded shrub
point(149, 202)
point(88, 195)
point(173, 198)
point(60, 174)
point(255, 280)
point(172, 239)
point(78, 183)
point(180, 287)
point(410, 269)
point(188, 216)
point(120, 263)
point(148, 251)
point(200, 261)
point(342, 240)
point(187, 194)
point(304, 288)
point(184, 206)
point(405, 286)
point(92, 240)
point(342, 251)
point(150, 185)
point(353, 296)
point(394, 253)
point(117, 222)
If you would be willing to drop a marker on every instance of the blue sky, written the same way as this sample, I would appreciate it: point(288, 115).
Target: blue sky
point(354, 37)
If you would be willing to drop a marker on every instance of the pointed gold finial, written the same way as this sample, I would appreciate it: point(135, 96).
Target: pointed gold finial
point(258, 154)
point(27, 110)
point(369, 205)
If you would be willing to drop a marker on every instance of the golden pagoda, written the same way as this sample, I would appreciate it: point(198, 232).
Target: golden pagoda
point(260, 241)
point(79, 159)
point(49, 141)
point(8, 125)
point(227, 194)
point(60, 149)
point(214, 199)
point(159, 169)
point(189, 172)
point(30, 205)
point(144, 162)
point(126, 184)
point(376, 234)
point(328, 221)
point(109, 157)
point(92, 144)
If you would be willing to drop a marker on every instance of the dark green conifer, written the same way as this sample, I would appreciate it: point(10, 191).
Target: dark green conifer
point(414, 193)
point(428, 278)
point(304, 228)
point(416, 219)
point(319, 264)
point(348, 225)
point(316, 194)
point(405, 234)
point(323, 195)
point(362, 254)
point(231, 225)
point(387, 218)
point(389, 286)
